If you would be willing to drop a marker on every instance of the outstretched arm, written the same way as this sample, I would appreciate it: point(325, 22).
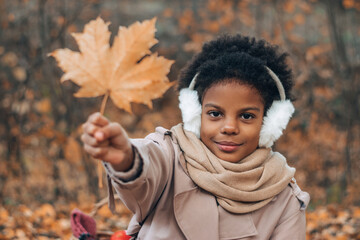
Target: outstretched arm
point(150, 159)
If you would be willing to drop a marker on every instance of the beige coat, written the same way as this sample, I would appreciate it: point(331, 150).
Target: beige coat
point(168, 205)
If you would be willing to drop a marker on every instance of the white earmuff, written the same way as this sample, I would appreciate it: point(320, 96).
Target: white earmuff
point(190, 108)
point(275, 120)
point(277, 117)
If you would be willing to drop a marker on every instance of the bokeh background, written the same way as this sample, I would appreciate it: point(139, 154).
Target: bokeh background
point(41, 158)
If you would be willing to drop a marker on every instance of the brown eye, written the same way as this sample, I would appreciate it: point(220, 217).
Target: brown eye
point(214, 114)
point(247, 116)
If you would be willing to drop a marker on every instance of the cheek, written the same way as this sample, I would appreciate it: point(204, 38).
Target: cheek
point(207, 128)
point(254, 134)
point(204, 127)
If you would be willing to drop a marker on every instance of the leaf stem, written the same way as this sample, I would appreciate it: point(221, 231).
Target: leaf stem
point(103, 103)
point(102, 111)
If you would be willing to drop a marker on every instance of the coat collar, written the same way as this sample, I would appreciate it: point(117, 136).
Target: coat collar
point(194, 208)
point(197, 213)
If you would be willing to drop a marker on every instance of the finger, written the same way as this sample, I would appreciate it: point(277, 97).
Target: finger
point(89, 128)
point(96, 152)
point(92, 141)
point(100, 134)
point(114, 132)
point(88, 139)
point(98, 119)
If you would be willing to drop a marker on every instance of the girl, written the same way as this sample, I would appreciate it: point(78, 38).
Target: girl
point(214, 176)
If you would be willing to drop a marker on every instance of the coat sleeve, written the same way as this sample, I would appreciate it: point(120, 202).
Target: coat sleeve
point(141, 194)
point(293, 227)
point(293, 223)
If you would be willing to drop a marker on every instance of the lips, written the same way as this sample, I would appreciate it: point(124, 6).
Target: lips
point(227, 146)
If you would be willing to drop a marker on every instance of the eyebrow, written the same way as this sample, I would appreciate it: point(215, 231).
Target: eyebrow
point(243, 109)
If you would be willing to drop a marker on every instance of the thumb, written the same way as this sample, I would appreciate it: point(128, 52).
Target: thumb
point(114, 133)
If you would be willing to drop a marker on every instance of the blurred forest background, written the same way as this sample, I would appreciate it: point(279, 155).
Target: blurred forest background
point(41, 158)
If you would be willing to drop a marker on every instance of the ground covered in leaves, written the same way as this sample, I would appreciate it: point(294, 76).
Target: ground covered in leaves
point(53, 221)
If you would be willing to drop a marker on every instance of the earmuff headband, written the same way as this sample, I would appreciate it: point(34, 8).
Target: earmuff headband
point(278, 83)
point(193, 82)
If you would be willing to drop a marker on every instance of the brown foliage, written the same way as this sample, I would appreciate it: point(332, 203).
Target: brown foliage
point(40, 120)
point(47, 221)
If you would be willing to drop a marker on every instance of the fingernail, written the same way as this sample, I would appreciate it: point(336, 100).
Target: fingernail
point(91, 129)
point(99, 135)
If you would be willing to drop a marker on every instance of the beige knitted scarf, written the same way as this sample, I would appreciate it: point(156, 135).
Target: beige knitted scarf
point(240, 187)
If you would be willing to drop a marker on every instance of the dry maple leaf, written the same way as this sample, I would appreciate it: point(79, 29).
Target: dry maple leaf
point(127, 71)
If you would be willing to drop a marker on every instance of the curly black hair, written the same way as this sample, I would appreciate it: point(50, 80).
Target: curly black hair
point(241, 58)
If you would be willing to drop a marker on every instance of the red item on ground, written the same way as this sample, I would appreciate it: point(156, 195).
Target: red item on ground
point(82, 223)
point(120, 235)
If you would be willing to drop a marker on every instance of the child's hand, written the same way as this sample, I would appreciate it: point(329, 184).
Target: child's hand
point(107, 141)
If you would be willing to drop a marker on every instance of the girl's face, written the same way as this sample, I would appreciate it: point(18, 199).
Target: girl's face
point(231, 120)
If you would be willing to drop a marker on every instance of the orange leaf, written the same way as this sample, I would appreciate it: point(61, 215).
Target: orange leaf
point(4, 215)
point(168, 12)
point(289, 6)
point(299, 19)
point(43, 106)
point(356, 213)
point(128, 71)
point(289, 25)
point(348, 3)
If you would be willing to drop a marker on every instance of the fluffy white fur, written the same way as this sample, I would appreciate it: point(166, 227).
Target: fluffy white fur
point(190, 110)
point(275, 121)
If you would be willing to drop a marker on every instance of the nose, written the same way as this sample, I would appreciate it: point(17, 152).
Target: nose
point(230, 127)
